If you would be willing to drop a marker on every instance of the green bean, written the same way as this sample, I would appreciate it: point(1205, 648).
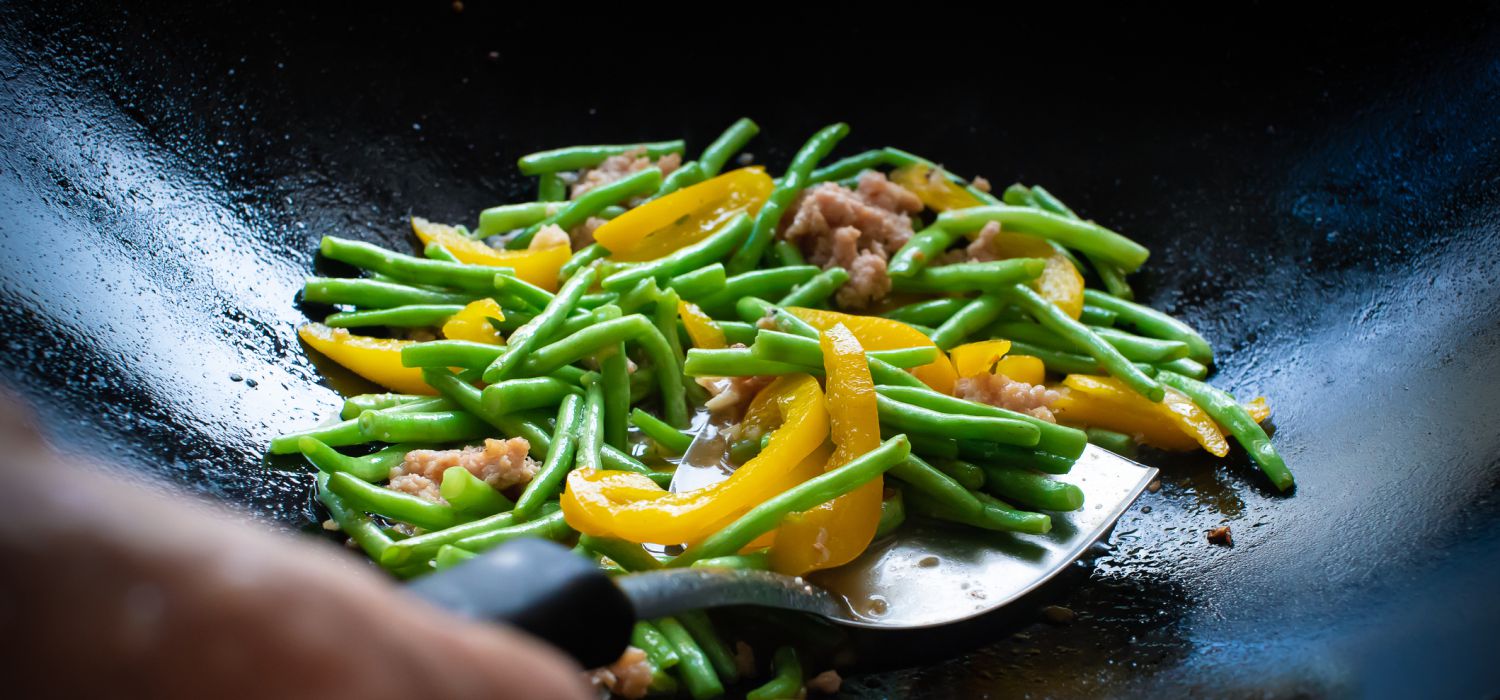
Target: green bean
point(1131, 347)
point(358, 526)
point(1118, 443)
point(787, 253)
point(787, 682)
point(594, 338)
point(970, 476)
point(669, 438)
point(734, 362)
point(551, 188)
point(686, 175)
point(1058, 439)
point(591, 429)
point(341, 434)
point(414, 270)
point(1185, 366)
point(1056, 361)
point(1059, 322)
point(700, 282)
point(822, 488)
point(519, 425)
point(579, 210)
point(1222, 407)
point(1110, 274)
point(645, 293)
point(730, 142)
point(1017, 195)
point(614, 373)
point(470, 495)
point(1149, 321)
point(642, 384)
point(796, 178)
point(977, 314)
point(845, 168)
point(1096, 316)
point(923, 247)
point(435, 426)
point(579, 157)
point(815, 291)
point(437, 251)
point(425, 546)
point(581, 259)
point(559, 460)
point(646, 637)
point(374, 294)
point(916, 419)
point(993, 515)
point(797, 350)
point(986, 452)
point(1030, 488)
point(450, 353)
point(696, 670)
point(391, 504)
point(449, 556)
point(719, 654)
point(765, 284)
point(927, 313)
point(355, 405)
point(753, 309)
point(757, 561)
point(709, 250)
point(892, 514)
point(514, 395)
point(927, 445)
point(738, 332)
point(550, 526)
point(1085, 236)
point(373, 467)
point(628, 555)
point(412, 316)
point(986, 277)
point(540, 330)
point(509, 217)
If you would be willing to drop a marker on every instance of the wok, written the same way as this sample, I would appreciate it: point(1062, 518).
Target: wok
point(1322, 201)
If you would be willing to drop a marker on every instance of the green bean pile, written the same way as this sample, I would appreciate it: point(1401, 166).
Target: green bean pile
point(600, 374)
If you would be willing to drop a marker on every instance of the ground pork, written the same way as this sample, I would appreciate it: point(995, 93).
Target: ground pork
point(857, 230)
point(615, 167)
point(629, 677)
point(1221, 536)
point(1000, 390)
point(981, 184)
point(500, 463)
point(827, 682)
point(981, 249)
point(728, 395)
point(551, 236)
point(582, 235)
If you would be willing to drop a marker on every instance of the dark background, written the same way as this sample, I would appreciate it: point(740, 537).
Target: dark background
point(1319, 193)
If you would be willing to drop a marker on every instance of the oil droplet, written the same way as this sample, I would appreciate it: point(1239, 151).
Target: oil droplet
point(877, 606)
point(928, 561)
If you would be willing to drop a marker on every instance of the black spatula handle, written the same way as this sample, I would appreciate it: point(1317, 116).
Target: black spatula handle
point(543, 588)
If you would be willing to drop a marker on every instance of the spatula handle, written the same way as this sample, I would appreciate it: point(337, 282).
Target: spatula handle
point(542, 588)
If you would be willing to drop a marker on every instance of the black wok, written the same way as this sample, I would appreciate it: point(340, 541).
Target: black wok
point(1323, 202)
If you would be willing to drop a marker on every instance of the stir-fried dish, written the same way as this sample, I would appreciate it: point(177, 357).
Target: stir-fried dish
point(878, 338)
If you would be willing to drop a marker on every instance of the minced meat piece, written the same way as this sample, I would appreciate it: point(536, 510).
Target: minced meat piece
point(628, 677)
point(615, 167)
point(857, 230)
point(727, 395)
point(999, 390)
point(1220, 536)
point(551, 236)
point(417, 485)
point(980, 183)
point(827, 682)
point(981, 249)
point(500, 463)
point(583, 234)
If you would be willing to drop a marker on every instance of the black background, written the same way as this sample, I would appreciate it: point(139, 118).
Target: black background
point(1319, 192)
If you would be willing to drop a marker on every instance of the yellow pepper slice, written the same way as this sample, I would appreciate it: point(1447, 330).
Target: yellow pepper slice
point(876, 333)
point(1174, 424)
point(375, 359)
point(1258, 409)
point(1059, 283)
point(970, 359)
point(684, 217)
point(473, 323)
point(700, 327)
point(630, 507)
point(538, 266)
point(936, 191)
point(837, 531)
point(1022, 368)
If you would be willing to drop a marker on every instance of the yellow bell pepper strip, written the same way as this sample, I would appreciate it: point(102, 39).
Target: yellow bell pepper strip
point(876, 333)
point(970, 359)
point(700, 327)
point(473, 323)
point(1022, 368)
point(375, 359)
point(621, 505)
point(684, 217)
point(1258, 409)
point(1174, 424)
point(837, 531)
point(934, 189)
point(1059, 283)
point(538, 266)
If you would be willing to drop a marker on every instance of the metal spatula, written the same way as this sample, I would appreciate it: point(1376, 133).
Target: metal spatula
point(924, 575)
